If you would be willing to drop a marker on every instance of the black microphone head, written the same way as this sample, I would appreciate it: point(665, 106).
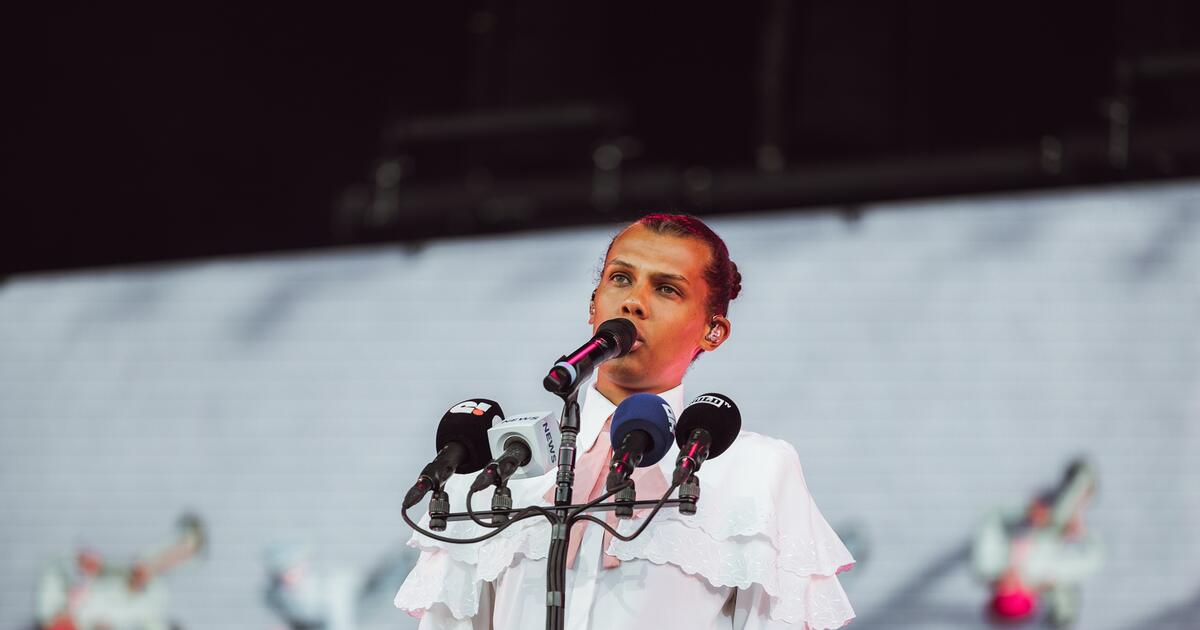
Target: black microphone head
point(467, 423)
point(714, 413)
point(622, 331)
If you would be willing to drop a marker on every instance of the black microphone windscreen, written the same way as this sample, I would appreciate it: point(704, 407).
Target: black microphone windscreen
point(467, 423)
point(623, 331)
point(715, 413)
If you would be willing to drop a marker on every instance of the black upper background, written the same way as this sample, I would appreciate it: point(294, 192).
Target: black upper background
point(166, 133)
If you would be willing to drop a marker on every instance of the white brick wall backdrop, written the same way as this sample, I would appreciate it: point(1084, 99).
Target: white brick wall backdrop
point(928, 361)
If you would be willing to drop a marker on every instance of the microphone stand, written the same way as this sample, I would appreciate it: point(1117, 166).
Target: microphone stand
point(562, 516)
point(569, 428)
point(560, 527)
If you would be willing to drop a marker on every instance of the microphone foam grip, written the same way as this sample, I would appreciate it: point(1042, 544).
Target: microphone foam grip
point(467, 423)
point(623, 331)
point(715, 413)
point(649, 413)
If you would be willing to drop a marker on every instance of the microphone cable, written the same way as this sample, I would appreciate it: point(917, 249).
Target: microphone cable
point(661, 502)
point(556, 581)
point(533, 511)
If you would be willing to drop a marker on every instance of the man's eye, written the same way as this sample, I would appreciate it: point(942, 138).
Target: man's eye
point(668, 289)
point(619, 278)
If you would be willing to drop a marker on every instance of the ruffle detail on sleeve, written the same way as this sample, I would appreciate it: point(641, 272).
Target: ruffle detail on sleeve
point(438, 578)
point(756, 524)
point(453, 574)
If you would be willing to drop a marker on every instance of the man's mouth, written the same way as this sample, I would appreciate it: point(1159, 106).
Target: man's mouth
point(637, 343)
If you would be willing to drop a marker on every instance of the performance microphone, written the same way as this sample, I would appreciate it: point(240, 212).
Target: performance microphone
point(707, 427)
point(641, 428)
point(524, 446)
point(614, 338)
point(462, 445)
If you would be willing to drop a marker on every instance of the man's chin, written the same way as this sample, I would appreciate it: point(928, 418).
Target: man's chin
point(627, 371)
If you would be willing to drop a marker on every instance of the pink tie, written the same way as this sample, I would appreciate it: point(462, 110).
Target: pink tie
point(591, 471)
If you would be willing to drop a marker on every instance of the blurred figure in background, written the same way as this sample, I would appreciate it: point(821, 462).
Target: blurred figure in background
point(308, 599)
point(1040, 552)
point(90, 594)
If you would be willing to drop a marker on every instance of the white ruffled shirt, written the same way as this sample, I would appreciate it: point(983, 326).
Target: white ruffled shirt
point(756, 555)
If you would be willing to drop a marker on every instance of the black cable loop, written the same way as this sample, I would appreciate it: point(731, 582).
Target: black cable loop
point(597, 500)
point(519, 515)
point(558, 548)
point(522, 515)
point(638, 532)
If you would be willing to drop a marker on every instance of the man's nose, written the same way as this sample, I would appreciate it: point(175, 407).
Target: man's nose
point(634, 306)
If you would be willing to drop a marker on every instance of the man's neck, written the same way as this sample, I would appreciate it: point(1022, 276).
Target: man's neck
point(616, 393)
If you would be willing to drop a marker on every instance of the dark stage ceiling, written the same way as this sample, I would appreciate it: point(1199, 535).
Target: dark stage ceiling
point(171, 133)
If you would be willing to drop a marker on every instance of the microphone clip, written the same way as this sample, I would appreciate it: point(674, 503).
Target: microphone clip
point(689, 494)
point(501, 504)
point(624, 500)
point(439, 509)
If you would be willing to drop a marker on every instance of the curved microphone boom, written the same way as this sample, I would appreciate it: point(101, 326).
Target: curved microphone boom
point(462, 445)
point(641, 433)
point(707, 427)
point(614, 338)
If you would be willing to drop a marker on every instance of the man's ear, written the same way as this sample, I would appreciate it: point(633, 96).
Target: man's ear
point(592, 309)
point(716, 334)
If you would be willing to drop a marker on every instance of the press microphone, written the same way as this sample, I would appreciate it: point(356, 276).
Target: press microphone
point(707, 427)
point(462, 445)
point(523, 446)
point(614, 338)
point(641, 428)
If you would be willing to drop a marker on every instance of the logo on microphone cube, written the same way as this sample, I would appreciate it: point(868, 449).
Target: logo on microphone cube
point(670, 416)
point(472, 407)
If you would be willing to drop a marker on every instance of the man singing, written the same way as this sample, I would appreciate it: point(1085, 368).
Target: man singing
point(756, 555)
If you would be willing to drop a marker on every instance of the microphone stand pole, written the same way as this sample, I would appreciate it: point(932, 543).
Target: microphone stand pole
point(569, 427)
point(560, 536)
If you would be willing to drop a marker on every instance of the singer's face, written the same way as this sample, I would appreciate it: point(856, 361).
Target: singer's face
point(657, 282)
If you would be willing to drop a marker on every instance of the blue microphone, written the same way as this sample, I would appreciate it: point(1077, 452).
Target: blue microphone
point(643, 427)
